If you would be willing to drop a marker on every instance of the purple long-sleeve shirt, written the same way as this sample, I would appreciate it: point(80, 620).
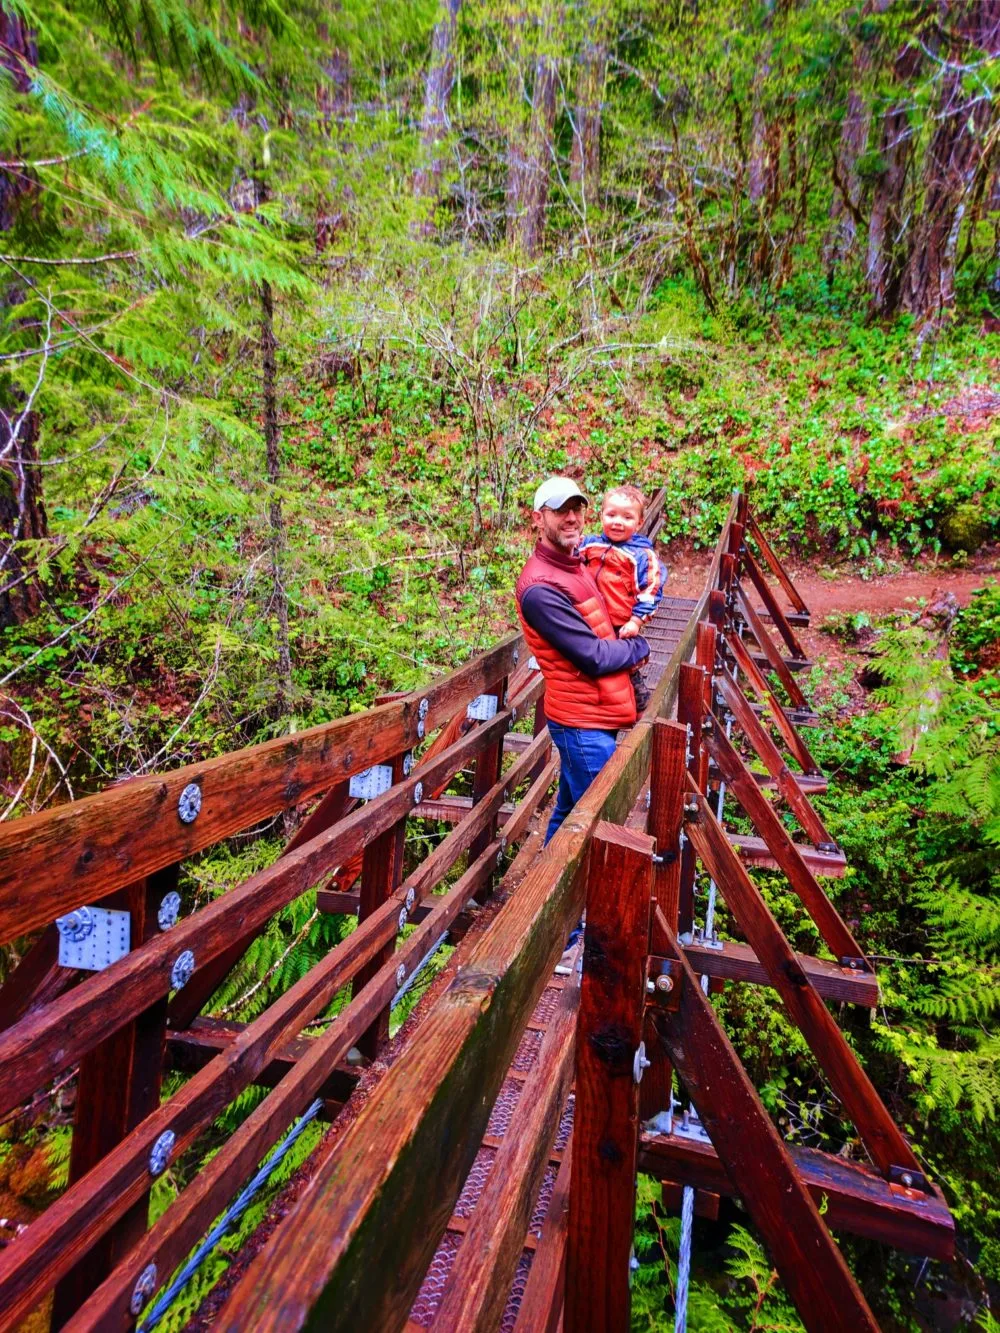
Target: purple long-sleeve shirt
point(551, 613)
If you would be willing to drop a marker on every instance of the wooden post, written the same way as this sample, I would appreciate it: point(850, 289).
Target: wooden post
point(804, 1252)
point(118, 1085)
point(606, 1118)
point(381, 876)
point(691, 713)
point(666, 801)
point(489, 765)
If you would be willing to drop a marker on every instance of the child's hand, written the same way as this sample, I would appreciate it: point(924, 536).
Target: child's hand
point(630, 629)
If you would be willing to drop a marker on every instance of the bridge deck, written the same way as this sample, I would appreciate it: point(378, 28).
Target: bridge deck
point(663, 633)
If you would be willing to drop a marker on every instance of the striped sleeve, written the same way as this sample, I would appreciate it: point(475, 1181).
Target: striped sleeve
point(649, 575)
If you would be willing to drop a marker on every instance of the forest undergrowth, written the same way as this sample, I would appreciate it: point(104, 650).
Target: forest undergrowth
point(299, 305)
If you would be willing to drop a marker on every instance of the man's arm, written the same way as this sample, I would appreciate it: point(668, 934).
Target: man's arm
point(551, 614)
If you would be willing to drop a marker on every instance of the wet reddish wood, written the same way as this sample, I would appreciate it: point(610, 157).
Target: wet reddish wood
point(541, 1305)
point(878, 1132)
point(381, 875)
point(776, 567)
point(606, 1115)
point(666, 787)
point(771, 604)
point(489, 764)
point(118, 1086)
point(479, 1282)
point(805, 1254)
point(86, 1210)
point(43, 1044)
point(376, 1205)
point(770, 651)
point(36, 980)
point(82, 851)
point(769, 754)
point(796, 746)
point(691, 713)
point(859, 1200)
point(738, 962)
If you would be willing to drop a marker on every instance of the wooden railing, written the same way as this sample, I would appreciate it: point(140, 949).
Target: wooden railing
point(123, 849)
point(354, 1249)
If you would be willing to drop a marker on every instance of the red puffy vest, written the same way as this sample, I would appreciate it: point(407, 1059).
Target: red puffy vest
point(572, 698)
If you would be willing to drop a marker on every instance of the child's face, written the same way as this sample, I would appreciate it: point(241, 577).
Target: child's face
point(620, 517)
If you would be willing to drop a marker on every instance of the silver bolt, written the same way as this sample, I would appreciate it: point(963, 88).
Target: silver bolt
point(403, 918)
point(418, 793)
point(420, 730)
point(411, 898)
point(189, 803)
point(76, 926)
point(145, 1285)
point(169, 910)
point(161, 1152)
point(182, 970)
point(650, 986)
point(515, 656)
point(407, 763)
point(639, 1062)
point(423, 708)
point(664, 983)
point(513, 717)
point(400, 975)
point(906, 1179)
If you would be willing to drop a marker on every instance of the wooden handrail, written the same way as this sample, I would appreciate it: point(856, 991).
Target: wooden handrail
point(82, 1214)
point(375, 1202)
point(53, 862)
point(44, 1043)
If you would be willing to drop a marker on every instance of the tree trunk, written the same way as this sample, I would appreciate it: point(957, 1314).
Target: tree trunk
point(846, 203)
point(886, 226)
point(951, 164)
point(585, 154)
point(434, 124)
point(528, 178)
point(22, 516)
point(272, 439)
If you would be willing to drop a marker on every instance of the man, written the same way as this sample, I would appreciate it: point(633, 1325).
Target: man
point(588, 694)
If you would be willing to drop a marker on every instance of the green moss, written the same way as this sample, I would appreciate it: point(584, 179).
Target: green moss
point(964, 528)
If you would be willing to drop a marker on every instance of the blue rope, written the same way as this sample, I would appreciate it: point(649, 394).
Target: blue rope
point(231, 1215)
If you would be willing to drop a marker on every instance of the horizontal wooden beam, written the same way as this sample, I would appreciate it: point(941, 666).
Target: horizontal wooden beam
point(859, 1200)
point(792, 663)
point(346, 904)
point(69, 1225)
point(738, 962)
point(43, 1044)
point(755, 852)
point(60, 859)
point(450, 809)
point(193, 1048)
point(811, 785)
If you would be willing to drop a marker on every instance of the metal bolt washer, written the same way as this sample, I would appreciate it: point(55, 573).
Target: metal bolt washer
point(161, 1152)
point(182, 970)
point(169, 910)
point(145, 1285)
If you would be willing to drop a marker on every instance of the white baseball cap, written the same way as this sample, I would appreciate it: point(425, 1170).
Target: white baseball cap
point(553, 493)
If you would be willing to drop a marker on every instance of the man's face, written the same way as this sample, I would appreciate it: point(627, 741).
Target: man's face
point(560, 528)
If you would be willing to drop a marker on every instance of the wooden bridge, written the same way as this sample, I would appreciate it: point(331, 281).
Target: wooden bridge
point(483, 1175)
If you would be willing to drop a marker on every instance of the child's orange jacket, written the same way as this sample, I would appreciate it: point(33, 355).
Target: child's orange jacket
point(628, 574)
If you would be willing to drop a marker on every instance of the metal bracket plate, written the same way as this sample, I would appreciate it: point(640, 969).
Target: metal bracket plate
point(92, 938)
point(482, 708)
point(909, 1178)
point(371, 783)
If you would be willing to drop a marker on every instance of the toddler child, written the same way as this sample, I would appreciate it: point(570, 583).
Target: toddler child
point(625, 567)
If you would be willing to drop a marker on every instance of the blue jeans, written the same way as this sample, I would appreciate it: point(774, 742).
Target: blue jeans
point(583, 752)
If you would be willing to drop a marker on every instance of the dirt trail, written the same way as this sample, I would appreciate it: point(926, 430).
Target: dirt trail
point(823, 596)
